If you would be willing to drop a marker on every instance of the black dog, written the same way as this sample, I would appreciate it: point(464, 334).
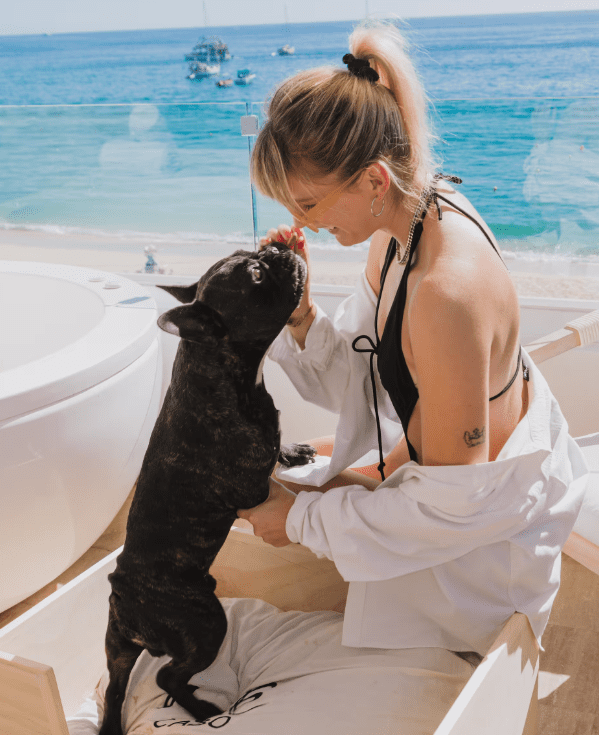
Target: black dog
point(213, 448)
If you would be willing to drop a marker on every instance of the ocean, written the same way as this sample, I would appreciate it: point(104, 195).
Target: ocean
point(103, 133)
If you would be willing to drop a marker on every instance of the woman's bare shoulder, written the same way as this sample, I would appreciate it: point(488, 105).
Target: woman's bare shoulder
point(462, 222)
point(464, 275)
point(377, 251)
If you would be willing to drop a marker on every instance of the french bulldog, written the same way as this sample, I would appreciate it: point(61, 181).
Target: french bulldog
point(213, 448)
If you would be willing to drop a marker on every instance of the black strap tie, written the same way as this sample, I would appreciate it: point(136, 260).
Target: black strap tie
point(360, 68)
point(373, 351)
point(435, 197)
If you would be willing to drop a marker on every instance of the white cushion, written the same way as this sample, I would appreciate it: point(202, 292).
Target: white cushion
point(587, 524)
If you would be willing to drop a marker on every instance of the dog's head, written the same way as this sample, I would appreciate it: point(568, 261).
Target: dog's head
point(248, 296)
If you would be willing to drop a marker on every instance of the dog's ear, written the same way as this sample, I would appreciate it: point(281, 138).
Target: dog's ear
point(184, 294)
point(194, 322)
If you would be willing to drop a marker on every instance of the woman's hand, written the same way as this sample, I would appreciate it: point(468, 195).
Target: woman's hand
point(293, 238)
point(269, 518)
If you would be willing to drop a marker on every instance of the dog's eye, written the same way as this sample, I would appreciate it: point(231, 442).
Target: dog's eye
point(257, 274)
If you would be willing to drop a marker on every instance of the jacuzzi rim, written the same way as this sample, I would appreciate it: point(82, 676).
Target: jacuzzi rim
point(122, 336)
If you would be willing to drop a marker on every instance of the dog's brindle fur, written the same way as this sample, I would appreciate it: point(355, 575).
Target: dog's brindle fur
point(213, 448)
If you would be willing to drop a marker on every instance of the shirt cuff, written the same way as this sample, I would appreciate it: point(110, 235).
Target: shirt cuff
point(297, 514)
point(318, 350)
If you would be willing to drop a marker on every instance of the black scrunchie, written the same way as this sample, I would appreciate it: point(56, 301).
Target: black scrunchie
point(360, 68)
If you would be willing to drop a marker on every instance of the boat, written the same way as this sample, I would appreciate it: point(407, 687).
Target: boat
point(225, 82)
point(201, 70)
point(244, 77)
point(53, 654)
point(286, 50)
point(209, 50)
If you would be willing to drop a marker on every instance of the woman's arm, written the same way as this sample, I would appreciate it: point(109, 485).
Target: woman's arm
point(451, 332)
point(269, 519)
point(302, 318)
point(323, 371)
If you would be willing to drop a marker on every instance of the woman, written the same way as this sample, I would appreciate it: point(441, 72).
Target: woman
point(459, 520)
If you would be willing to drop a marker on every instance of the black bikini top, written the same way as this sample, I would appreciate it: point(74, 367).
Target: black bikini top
point(393, 370)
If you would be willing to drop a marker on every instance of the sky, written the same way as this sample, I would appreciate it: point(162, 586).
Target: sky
point(69, 16)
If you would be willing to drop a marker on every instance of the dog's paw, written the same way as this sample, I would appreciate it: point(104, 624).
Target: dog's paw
point(293, 455)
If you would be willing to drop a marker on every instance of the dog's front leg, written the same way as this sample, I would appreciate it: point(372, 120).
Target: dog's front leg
point(121, 655)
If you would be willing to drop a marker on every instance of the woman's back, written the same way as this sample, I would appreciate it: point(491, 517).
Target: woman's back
point(457, 261)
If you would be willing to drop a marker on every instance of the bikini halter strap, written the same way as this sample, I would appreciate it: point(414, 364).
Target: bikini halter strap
point(429, 194)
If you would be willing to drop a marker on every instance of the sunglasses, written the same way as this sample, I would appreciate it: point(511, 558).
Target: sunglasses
point(309, 218)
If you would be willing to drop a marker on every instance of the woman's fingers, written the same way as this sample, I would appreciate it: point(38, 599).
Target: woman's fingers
point(292, 237)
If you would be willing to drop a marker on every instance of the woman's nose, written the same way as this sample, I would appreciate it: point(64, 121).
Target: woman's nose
point(300, 223)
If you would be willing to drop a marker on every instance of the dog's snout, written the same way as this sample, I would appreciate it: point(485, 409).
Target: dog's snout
point(269, 250)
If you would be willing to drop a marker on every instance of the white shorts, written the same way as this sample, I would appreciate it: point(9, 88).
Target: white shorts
point(286, 673)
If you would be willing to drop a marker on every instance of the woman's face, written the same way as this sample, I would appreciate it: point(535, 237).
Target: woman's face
point(349, 219)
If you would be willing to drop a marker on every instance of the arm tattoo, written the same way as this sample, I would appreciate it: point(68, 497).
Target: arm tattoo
point(477, 437)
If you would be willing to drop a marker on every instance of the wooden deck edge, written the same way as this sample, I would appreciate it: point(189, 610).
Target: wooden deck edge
point(583, 551)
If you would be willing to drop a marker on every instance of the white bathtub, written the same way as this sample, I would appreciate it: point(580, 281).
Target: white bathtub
point(80, 386)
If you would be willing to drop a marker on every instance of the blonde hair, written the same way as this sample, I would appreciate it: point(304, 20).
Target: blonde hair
point(328, 121)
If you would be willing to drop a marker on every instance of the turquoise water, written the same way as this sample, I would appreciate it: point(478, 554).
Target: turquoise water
point(103, 132)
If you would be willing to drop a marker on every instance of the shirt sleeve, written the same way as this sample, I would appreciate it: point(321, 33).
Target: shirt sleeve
point(323, 371)
point(421, 516)
point(329, 373)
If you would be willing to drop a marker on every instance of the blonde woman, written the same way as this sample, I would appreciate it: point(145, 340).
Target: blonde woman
point(482, 482)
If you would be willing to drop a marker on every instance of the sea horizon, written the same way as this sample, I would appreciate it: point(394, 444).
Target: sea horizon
point(374, 16)
point(114, 142)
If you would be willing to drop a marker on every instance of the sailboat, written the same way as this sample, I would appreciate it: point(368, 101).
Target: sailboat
point(286, 49)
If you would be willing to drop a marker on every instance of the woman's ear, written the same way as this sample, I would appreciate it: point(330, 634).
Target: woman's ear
point(378, 179)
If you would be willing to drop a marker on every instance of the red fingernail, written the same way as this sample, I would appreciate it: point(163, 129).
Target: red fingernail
point(300, 245)
point(280, 238)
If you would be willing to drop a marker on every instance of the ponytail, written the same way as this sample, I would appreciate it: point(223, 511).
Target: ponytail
point(331, 121)
point(387, 51)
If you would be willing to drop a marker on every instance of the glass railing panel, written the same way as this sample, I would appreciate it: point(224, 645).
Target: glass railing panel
point(99, 184)
point(529, 166)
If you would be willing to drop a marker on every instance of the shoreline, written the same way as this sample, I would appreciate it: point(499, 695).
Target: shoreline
point(531, 278)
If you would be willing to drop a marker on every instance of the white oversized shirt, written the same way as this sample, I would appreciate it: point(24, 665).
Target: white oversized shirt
point(436, 555)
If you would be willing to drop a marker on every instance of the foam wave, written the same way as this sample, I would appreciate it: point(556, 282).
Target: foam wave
point(164, 238)
point(167, 238)
point(534, 256)
point(516, 252)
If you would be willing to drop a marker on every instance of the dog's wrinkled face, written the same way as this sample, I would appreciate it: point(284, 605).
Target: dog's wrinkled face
point(249, 296)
